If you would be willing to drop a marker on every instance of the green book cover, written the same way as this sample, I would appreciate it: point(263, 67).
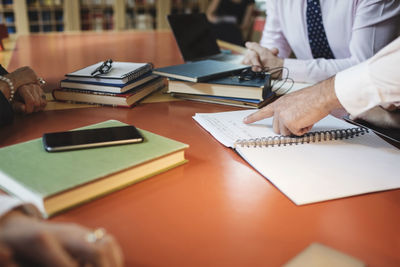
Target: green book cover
point(45, 174)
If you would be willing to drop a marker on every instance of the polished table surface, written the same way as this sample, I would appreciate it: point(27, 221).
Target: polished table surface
point(214, 210)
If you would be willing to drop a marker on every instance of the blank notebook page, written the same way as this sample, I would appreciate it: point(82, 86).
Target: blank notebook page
point(313, 172)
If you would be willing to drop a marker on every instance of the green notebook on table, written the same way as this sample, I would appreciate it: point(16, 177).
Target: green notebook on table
point(58, 181)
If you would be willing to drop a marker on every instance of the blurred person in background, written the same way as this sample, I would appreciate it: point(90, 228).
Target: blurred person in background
point(231, 19)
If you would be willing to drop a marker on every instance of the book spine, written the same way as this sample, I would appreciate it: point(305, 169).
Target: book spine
point(311, 137)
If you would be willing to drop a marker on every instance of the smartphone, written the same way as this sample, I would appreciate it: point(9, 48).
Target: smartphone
point(79, 139)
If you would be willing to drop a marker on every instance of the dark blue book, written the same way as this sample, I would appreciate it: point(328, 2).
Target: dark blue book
point(200, 71)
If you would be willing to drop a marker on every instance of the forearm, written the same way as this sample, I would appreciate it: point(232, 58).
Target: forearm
point(212, 8)
point(328, 95)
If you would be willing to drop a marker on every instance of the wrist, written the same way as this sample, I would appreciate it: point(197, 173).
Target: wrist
point(9, 94)
point(278, 62)
point(328, 94)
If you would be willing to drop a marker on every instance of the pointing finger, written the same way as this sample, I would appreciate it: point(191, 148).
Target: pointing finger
point(263, 113)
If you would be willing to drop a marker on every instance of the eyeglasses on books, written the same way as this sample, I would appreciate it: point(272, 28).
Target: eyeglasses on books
point(248, 74)
point(104, 68)
point(281, 84)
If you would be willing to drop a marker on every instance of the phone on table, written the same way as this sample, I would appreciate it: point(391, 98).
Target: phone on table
point(79, 139)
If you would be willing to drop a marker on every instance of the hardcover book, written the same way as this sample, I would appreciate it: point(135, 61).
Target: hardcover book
point(126, 99)
point(200, 71)
point(108, 87)
point(230, 86)
point(58, 181)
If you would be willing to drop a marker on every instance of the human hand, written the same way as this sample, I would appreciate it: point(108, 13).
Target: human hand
point(297, 112)
point(29, 98)
point(262, 57)
point(22, 76)
point(54, 244)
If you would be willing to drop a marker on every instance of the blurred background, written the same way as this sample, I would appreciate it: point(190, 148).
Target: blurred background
point(49, 16)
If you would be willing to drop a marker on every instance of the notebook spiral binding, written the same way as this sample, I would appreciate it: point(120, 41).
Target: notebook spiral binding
point(311, 137)
point(133, 75)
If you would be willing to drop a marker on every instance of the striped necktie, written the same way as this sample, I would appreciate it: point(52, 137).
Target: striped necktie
point(316, 32)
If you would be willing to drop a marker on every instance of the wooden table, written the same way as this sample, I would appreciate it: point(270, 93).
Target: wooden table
point(213, 211)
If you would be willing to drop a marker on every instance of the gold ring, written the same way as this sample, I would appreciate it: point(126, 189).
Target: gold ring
point(96, 235)
point(41, 81)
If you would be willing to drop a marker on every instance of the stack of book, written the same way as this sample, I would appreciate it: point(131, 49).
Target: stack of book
point(217, 82)
point(124, 85)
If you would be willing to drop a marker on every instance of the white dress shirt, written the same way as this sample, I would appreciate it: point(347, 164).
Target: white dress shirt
point(371, 83)
point(355, 29)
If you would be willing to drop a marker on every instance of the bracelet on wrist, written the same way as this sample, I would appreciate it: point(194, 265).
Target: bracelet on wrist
point(10, 85)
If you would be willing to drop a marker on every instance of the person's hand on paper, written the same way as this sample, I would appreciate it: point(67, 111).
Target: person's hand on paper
point(260, 57)
point(31, 241)
point(297, 112)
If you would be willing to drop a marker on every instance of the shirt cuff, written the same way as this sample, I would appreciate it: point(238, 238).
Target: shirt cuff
point(355, 90)
point(10, 203)
point(297, 69)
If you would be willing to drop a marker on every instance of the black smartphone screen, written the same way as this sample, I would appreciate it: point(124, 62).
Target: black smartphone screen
point(61, 141)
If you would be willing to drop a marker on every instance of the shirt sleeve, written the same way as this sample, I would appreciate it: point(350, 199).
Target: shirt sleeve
point(6, 111)
point(8, 203)
point(375, 25)
point(273, 36)
point(3, 71)
point(373, 82)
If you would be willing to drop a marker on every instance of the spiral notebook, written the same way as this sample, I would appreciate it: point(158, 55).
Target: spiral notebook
point(335, 160)
point(120, 73)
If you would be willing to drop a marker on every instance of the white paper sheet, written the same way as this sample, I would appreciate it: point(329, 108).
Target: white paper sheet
point(308, 173)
